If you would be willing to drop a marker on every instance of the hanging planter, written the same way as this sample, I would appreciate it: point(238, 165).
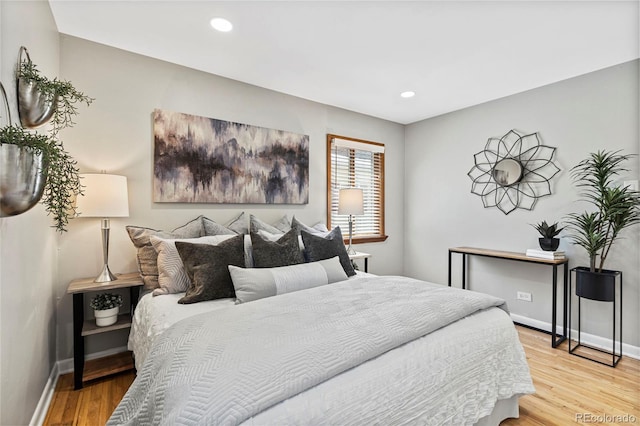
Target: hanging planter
point(34, 166)
point(23, 167)
point(35, 107)
point(23, 173)
point(41, 100)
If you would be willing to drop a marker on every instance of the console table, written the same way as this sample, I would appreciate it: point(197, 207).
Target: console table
point(521, 257)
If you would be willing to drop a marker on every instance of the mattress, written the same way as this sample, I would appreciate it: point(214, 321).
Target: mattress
point(457, 374)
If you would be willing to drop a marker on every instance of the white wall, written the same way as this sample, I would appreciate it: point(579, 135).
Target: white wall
point(115, 134)
point(578, 116)
point(28, 256)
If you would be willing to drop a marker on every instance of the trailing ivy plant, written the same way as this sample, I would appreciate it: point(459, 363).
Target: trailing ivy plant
point(63, 91)
point(63, 180)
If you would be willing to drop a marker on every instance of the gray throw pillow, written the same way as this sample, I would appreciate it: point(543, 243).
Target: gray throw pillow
point(147, 256)
point(208, 268)
point(236, 226)
point(282, 252)
point(239, 224)
point(320, 248)
point(281, 226)
point(317, 229)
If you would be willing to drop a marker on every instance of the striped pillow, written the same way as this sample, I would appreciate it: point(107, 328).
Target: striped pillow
point(172, 277)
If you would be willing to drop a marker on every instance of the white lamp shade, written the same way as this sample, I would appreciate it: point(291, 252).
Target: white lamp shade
point(104, 196)
point(350, 201)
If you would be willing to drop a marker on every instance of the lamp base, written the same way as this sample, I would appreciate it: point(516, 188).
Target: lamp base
point(105, 276)
point(350, 251)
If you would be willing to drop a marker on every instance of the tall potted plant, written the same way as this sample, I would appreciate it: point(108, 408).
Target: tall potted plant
point(616, 208)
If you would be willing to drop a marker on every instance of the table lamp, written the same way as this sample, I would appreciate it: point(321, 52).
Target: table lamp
point(350, 201)
point(104, 196)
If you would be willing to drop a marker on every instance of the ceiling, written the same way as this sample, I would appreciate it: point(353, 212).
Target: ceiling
point(360, 55)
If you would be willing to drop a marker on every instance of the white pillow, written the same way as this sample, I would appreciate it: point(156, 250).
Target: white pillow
point(257, 283)
point(172, 277)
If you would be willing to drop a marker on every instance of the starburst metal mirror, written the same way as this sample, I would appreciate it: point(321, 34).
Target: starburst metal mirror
point(513, 171)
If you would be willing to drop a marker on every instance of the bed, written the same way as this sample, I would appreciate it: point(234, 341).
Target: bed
point(271, 325)
point(366, 350)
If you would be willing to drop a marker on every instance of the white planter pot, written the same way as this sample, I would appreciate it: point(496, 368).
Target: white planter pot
point(106, 317)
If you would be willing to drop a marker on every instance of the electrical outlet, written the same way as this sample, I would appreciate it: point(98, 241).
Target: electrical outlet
point(632, 184)
point(521, 295)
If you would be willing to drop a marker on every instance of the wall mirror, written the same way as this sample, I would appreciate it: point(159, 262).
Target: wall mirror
point(507, 172)
point(513, 171)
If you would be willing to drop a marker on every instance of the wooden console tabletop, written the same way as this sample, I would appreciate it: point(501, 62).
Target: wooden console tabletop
point(505, 255)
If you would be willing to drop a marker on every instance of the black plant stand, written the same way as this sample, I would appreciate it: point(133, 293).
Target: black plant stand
point(615, 356)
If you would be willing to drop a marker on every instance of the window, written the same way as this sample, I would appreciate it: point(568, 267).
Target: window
point(354, 163)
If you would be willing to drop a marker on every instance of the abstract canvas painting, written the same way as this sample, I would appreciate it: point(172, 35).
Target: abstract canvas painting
point(205, 160)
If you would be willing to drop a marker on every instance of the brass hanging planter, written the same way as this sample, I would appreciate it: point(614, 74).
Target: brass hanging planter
point(35, 107)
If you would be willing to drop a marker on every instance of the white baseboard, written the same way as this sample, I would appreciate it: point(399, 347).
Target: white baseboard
point(42, 408)
point(586, 338)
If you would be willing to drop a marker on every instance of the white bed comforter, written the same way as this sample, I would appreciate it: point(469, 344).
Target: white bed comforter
point(230, 365)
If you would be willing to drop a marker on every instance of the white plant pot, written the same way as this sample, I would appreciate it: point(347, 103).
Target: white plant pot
point(106, 317)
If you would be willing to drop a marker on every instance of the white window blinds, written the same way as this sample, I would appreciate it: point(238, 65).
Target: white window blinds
point(357, 164)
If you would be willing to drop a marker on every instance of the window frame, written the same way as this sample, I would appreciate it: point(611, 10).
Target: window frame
point(345, 234)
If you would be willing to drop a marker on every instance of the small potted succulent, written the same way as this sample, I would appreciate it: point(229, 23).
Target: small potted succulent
point(106, 307)
point(548, 241)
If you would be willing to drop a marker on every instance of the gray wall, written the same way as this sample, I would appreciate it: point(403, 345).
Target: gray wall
point(114, 134)
point(578, 116)
point(28, 256)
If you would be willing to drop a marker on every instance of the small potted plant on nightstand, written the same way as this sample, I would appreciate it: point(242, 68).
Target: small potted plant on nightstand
point(106, 307)
point(548, 242)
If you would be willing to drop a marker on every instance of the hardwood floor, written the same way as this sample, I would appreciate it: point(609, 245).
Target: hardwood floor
point(566, 387)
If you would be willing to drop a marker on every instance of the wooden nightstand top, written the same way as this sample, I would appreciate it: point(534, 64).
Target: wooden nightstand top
point(83, 285)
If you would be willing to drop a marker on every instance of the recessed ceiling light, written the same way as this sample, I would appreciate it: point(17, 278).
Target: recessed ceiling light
point(221, 24)
point(408, 94)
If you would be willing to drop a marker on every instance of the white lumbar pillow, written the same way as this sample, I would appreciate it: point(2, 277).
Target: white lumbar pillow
point(257, 283)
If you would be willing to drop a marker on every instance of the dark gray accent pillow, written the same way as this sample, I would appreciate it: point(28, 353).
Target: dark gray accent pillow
point(320, 248)
point(270, 254)
point(146, 254)
point(208, 268)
